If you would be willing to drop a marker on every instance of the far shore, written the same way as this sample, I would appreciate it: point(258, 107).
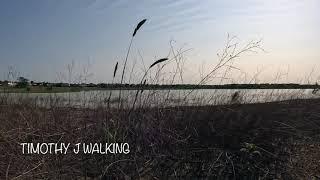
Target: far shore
point(79, 88)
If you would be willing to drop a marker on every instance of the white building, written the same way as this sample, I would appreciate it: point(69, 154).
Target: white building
point(12, 84)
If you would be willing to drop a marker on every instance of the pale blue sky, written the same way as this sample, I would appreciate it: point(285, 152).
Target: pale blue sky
point(39, 37)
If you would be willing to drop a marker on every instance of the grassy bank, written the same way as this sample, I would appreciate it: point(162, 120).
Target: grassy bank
point(268, 140)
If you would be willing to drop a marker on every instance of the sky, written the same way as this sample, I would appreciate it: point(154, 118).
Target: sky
point(38, 38)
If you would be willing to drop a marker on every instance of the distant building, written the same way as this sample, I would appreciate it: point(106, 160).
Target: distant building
point(12, 84)
point(83, 85)
point(36, 84)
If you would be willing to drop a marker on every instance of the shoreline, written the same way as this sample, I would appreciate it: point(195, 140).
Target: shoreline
point(42, 89)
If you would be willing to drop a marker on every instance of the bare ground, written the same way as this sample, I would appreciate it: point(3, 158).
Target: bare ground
point(278, 140)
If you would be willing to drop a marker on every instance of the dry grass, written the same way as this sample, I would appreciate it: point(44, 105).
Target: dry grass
point(183, 141)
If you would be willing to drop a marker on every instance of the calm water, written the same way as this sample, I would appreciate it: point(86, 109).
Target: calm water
point(158, 97)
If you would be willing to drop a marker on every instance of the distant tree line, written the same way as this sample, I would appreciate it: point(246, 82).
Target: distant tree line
point(24, 82)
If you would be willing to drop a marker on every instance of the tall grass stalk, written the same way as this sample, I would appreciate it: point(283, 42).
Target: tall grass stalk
point(126, 59)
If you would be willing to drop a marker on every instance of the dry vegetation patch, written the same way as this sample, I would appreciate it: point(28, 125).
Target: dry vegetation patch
point(257, 140)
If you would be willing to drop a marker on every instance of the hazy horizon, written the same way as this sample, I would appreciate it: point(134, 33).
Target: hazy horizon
point(39, 38)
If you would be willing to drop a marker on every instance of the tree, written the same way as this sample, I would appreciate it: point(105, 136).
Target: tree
point(22, 82)
point(5, 83)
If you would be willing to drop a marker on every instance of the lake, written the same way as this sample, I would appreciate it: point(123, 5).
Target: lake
point(159, 97)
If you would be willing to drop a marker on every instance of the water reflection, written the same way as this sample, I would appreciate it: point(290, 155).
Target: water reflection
point(160, 98)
